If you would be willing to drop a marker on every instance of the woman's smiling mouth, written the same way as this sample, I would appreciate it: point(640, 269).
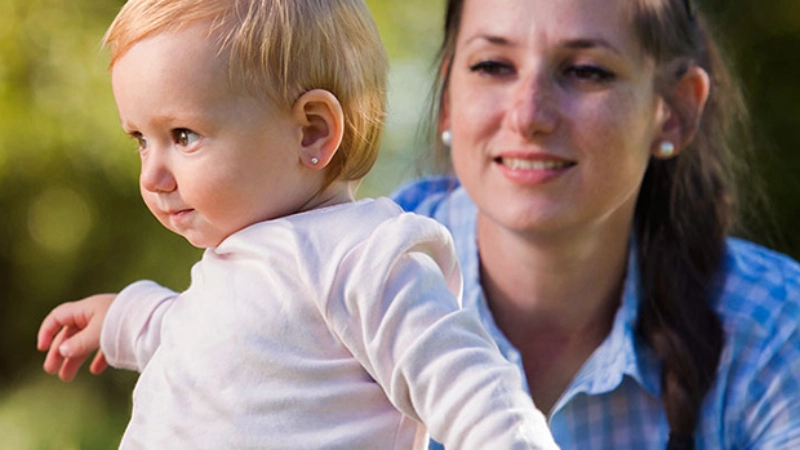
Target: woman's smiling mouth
point(532, 170)
point(533, 164)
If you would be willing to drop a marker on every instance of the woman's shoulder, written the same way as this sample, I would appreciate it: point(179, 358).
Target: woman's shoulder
point(425, 195)
point(760, 291)
point(762, 268)
point(757, 385)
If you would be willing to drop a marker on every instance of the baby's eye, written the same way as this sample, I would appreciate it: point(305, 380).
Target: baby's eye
point(492, 68)
point(141, 141)
point(184, 137)
point(589, 73)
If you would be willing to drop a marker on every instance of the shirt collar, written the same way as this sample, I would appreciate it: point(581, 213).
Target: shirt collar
point(621, 353)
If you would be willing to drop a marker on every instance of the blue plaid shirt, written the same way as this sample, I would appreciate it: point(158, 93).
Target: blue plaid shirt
point(613, 402)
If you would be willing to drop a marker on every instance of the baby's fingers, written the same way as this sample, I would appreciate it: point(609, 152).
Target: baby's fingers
point(47, 330)
point(58, 318)
point(70, 367)
point(54, 359)
point(99, 364)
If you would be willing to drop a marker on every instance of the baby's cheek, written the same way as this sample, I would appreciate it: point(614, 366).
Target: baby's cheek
point(151, 206)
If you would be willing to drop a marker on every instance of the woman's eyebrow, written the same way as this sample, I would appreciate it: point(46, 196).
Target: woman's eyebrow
point(489, 38)
point(589, 43)
point(572, 44)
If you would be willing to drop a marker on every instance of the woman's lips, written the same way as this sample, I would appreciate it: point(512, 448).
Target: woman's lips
point(534, 164)
point(533, 169)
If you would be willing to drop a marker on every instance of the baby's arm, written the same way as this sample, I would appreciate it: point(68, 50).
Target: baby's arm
point(126, 327)
point(71, 332)
point(132, 330)
point(436, 363)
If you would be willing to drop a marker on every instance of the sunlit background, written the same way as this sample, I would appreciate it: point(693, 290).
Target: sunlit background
point(73, 223)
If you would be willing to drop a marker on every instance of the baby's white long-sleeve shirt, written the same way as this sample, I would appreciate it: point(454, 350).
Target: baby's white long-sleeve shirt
point(337, 328)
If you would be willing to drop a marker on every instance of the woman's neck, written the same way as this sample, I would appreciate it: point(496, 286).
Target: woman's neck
point(554, 298)
point(556, 282)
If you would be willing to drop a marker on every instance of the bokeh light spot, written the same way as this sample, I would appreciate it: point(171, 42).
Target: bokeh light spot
point(59, 219)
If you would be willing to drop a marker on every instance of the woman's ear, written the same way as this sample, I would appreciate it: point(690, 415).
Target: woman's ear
point(443, 119)
point(444, 114)
point(321, 121)
point(682, 115)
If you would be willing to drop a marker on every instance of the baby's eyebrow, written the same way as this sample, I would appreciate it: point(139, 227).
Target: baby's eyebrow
point(164, 119)
point(168, 120)
point(126, 126)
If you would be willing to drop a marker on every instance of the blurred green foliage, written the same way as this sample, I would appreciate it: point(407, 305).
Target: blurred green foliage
point(73, 223)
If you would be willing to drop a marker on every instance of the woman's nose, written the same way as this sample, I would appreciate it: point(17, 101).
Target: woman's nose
point(156, 174)
point(533, 108)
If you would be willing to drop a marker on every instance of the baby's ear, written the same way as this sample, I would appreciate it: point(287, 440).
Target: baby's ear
point(322, 123)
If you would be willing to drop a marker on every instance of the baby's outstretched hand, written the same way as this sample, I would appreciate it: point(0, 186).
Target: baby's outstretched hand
point(71, 332)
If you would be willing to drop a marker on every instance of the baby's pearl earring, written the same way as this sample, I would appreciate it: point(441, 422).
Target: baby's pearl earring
point(447, 138)
point(314, 160)
point(666, 149)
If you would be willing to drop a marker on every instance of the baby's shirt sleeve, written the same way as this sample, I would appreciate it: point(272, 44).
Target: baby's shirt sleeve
point(398, 312)
point(132, 327)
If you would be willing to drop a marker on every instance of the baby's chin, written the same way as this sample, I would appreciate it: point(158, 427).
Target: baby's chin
point(202, 242)
point(199, 239)
point(196, 229)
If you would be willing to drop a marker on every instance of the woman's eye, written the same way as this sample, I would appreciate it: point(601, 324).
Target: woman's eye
point(185, 138)
point(492, 68)
point(590, 73)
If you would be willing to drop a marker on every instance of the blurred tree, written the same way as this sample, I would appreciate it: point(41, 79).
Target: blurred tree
point(73, 222)
point(763, 38)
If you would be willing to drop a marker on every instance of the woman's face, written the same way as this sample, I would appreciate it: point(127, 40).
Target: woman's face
point(553, 113)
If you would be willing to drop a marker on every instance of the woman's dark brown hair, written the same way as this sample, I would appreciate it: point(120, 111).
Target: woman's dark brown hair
point(685, 207)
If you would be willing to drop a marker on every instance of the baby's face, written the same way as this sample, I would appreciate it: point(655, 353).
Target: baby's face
point(214, 159)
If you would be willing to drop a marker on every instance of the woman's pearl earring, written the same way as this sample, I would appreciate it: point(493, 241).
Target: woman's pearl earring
point(447, 138)
point(314, 161)
point(666, 149)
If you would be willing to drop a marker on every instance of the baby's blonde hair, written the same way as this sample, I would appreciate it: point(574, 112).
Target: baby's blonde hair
point(282, 49)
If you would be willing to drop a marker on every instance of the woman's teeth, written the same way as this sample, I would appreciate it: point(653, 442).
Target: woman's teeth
point(534, 164)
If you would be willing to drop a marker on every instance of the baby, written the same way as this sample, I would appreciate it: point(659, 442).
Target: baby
point(312, 320)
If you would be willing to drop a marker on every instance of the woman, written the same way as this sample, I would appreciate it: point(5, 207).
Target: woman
point(592, 145)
